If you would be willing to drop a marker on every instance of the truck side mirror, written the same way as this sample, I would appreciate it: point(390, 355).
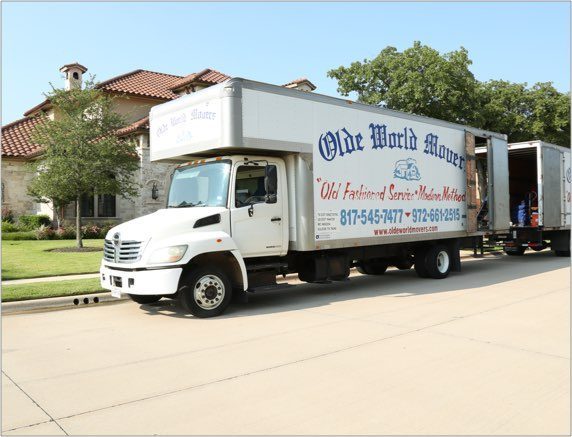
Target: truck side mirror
point(270, 183)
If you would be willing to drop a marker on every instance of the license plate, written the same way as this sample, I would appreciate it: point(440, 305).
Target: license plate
point(116, 292)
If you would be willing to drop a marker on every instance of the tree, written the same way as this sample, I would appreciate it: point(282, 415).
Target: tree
point(525, 113)
point(82, 156)
point(422, 81)
point(418, 80)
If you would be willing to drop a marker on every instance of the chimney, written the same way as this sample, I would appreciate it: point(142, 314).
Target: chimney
point(73, 73)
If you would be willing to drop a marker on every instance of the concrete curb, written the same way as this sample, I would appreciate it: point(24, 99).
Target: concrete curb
point(69, 302)
point(58, 303)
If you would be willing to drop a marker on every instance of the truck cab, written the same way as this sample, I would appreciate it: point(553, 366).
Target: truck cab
point(219, 211)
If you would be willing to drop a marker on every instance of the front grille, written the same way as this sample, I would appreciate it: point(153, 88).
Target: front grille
point(124, 252)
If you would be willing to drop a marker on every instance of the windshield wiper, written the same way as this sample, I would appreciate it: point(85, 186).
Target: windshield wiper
point(184, 204)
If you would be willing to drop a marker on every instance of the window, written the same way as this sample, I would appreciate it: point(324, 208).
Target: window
point(86, 206)
point(104, 205)
point(249, 187)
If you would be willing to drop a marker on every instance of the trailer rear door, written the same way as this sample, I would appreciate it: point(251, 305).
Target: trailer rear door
point(551, 187)
point(499, 202)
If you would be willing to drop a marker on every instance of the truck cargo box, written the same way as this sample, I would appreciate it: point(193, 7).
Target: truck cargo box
point(539, 183)
point(358, 175)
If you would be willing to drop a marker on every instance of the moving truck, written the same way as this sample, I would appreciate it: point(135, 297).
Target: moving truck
point(274, 181)
point(539, 190)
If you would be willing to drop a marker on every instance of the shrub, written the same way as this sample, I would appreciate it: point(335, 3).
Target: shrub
point(105, 228)
point(13, 236)
point(7, 215)
point(67, 233)
point(9, 227)
point(31, 222)
point(91, 231)
point(45, 233)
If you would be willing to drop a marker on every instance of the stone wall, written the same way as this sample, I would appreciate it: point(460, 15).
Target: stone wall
point(157, 173)
point(16, 176)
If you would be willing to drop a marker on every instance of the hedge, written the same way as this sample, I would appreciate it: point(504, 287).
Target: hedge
point(31, 222)
point(24, 235)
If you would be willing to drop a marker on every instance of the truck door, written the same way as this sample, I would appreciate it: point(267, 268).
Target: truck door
point(471, 192)
point(257, 226)
point(551, 180)
point(497, 163)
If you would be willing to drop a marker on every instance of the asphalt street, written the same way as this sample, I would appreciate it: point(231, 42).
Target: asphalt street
point(485, 351)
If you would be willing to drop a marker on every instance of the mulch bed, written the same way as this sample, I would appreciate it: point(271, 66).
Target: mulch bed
point(75, 249)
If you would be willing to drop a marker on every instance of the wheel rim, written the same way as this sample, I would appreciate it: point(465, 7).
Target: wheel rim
point(209, 292)
point(443, 262)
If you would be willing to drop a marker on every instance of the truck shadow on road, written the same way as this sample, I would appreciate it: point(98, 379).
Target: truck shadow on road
point(476, 274)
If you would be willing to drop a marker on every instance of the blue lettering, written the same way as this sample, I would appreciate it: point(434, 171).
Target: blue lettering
point(339, 143)
point(378, 135)
point(327, 146)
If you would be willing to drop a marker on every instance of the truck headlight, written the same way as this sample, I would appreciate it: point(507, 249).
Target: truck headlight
point(168, 254)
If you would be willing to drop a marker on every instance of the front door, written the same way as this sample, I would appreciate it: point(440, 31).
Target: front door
point(257, 226)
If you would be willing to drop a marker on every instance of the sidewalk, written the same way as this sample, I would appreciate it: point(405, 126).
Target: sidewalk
point(50, 279)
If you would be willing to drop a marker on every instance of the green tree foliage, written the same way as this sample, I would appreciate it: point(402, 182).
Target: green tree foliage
point(81, 153)
point(418, 80)
point(422, 81)
point(525, 113)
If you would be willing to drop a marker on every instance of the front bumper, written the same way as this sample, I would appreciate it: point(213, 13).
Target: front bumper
point(143, 282)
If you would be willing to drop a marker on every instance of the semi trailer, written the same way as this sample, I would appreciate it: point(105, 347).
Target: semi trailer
point(539, 198)
point(273, 181)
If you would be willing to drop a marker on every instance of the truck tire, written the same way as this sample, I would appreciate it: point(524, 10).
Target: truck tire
point(144, 298)
point(438, 262)
point(514, 251)
point(205, 292)
point(373, 267)
point(419, 262)
point(562, 253)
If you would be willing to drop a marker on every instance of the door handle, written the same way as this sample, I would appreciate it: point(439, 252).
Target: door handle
point(276, 219)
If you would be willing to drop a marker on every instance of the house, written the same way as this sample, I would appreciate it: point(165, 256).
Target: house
point(135, 94)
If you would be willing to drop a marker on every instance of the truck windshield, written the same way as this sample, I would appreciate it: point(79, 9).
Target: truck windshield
point(201, 185)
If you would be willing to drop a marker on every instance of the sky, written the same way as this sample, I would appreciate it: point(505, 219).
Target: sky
point(271, 42)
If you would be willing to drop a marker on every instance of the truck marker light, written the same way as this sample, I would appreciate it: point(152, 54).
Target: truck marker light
point(218, 240)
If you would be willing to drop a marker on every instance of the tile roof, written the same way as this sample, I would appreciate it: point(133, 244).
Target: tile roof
point(299, 81)
point(141, 124)
point(75, 64)
point(143, 83)
point(16, 141)
point(207, 76)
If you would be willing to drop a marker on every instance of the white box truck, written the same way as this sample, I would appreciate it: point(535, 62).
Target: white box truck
point(274, 181)
point(539, 190)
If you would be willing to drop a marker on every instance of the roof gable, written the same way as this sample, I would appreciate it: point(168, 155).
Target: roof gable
point(207, 76)
point(143, 83)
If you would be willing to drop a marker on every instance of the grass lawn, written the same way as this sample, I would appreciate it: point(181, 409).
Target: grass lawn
point(29, 259)
point(40, 290)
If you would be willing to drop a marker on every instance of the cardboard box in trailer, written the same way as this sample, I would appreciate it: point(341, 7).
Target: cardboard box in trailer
point(539, 189)
point(277, 181)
